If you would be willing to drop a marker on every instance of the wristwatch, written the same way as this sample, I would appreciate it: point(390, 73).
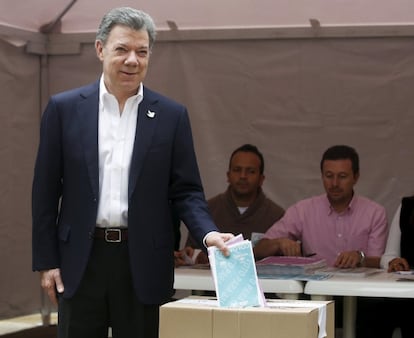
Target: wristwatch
point(362, 257)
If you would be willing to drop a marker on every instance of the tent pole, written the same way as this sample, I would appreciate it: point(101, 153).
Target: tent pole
point(44, 81)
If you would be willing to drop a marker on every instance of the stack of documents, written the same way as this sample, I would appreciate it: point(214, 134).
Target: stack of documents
point(235, 276)
point(285, 265)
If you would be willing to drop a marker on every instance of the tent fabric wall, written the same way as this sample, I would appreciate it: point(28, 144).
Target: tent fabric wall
point(19, 129)
point(292, 98)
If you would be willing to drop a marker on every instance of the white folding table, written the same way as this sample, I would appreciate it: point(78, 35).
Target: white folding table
point(382, 284)
point(202, 279)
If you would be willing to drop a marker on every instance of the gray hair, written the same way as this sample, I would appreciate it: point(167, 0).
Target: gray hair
point(129, 17)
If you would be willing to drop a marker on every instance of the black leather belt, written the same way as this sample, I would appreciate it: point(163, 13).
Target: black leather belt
point(111, 235)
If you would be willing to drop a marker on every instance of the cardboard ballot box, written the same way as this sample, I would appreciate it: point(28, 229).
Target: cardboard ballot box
point(201, 317)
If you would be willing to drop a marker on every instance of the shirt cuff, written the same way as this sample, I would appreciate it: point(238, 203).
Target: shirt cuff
point(205, 237)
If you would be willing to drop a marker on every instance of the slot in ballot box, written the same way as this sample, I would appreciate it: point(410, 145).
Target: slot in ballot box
point(201, 317)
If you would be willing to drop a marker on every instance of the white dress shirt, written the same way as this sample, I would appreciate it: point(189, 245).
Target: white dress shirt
point(393, 248)
point(116, 135)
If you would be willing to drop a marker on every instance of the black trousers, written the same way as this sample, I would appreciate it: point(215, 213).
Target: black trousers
point(106, 299)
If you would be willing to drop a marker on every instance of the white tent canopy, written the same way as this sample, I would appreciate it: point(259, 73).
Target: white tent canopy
point(80, 16)
point(292, 77)
point(77, 20)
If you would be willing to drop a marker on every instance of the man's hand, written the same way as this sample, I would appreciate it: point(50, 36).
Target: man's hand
point(218, 240)
point(289, 247)
point(51, 281)
point(348, 259)
point(276, 247)
point(398, 264)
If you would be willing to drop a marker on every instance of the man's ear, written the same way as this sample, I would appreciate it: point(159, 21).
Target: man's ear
point(356, 177)
point(262, 178)
point(98, 49)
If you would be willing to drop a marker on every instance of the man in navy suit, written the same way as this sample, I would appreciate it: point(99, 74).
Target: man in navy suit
point(114, 158)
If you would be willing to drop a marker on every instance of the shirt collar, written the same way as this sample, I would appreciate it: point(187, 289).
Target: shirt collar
point(104, 94)
point(331, 210)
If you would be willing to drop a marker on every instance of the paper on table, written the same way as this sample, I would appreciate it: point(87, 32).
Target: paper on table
point(405, 275)
point(190, 260)
point(235, 276)
point(350, 272)
point(256, 237)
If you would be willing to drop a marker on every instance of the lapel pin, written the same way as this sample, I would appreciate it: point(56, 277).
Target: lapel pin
point(150, 114)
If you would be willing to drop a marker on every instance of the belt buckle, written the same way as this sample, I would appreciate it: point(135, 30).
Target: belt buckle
point(110, 231)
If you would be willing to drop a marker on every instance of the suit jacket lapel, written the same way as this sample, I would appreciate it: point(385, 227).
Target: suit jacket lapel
point(146, 124)
point(88, 108)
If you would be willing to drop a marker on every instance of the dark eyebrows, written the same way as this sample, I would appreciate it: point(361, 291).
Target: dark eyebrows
point(247, 168)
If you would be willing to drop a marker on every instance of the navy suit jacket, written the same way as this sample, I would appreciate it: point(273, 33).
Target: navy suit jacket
point(163, 171)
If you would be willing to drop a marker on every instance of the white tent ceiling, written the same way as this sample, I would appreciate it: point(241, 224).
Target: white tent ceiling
point(21, 21)
point(84, 15)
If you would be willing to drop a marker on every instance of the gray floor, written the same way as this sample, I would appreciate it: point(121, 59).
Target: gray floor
point(24, 322)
